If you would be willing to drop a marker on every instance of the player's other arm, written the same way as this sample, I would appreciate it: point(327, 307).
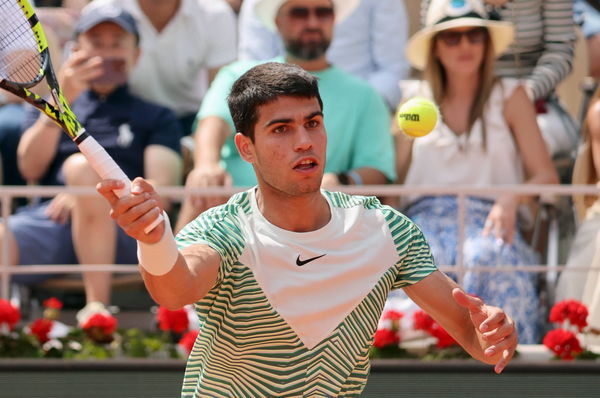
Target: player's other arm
point(487, 333)
point(173, 278)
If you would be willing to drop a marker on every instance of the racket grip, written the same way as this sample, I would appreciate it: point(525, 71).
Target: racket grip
point(107, 168)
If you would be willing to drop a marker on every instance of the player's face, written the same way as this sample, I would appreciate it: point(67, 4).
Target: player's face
point(461, 51)
point(306, 27)
point(288, 152)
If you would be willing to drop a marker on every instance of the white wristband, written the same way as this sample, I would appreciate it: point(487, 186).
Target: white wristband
point(160, 257)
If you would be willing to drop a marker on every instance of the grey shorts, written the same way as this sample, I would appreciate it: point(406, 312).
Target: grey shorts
point(41, 240)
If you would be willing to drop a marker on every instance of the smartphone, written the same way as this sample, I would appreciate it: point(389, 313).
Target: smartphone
point(113, 72)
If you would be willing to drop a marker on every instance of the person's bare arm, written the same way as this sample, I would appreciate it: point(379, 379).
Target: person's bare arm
point(38, 144)
point(593, 123)
point(193, 271)
point(485, 332)
point(520, 115)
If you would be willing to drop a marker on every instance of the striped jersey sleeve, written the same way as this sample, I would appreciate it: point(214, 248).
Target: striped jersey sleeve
point(219, 228)
point(415, 259)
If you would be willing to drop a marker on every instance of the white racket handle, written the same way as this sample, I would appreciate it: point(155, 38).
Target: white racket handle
point(106, 167)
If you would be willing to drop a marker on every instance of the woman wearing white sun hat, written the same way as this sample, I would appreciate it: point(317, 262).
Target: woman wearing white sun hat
point(542, 55)
point(487, 135)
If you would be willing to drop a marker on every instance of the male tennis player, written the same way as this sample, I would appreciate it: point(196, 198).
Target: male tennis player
point(289, 280)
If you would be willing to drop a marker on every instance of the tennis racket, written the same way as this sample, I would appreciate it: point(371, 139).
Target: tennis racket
point(24, 62)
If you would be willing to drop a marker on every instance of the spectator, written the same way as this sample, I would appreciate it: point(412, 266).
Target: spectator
point(369, 43)
point(143, 138)
point(487, 136)
point(585, 248)
point(542, 55)
point(184, 43)
point(360, 145)
point(587, 14)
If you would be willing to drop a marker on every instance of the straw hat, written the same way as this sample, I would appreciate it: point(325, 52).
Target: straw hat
point(266, 10)
point(450, 14)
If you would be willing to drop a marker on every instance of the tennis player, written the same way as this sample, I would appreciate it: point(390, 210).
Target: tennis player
point(289, 280)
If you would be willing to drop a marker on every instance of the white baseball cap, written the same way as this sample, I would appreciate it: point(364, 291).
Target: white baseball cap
point(267, 10)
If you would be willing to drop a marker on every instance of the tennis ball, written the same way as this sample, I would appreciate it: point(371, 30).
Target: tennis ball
point(417, 117)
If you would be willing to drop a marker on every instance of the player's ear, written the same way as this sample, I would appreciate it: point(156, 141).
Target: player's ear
point(245, 147)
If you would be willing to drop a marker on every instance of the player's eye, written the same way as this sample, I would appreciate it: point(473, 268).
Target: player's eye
point(280, 129)
point(312, 124)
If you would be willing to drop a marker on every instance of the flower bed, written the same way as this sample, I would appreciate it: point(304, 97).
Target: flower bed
point(175, 332)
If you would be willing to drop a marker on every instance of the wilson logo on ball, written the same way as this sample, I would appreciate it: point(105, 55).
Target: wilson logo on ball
point(411, 117)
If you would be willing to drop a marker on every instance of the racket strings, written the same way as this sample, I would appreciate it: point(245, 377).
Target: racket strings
point(20, 59)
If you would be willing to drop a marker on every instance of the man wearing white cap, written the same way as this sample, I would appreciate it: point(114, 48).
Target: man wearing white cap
point(369, 43)
point(358, 122)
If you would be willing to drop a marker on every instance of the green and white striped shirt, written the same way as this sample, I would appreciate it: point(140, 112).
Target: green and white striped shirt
point(294, 314)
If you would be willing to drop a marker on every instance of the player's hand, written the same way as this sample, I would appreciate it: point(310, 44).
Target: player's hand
point(136, 211)
point(207, 176)
point(495, 328)
point(77, 72)
point(502, 219)
point(60, 207)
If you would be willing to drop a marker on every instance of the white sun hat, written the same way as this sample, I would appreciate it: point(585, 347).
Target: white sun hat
point(450, 14)
point(266, 10)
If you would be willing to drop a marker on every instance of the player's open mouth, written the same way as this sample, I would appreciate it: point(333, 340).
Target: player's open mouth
point(306, 164)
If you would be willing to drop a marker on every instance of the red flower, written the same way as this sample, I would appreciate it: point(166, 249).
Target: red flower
point(187, 341)
point(392, 315)
point(40, 329)
point(9, 314)
point(385, 337)
point(174, 321)
point(563, 343)
point(422, 321)
point(107, 324)
point(54, 303)
point(572, 310)
point(443, 338)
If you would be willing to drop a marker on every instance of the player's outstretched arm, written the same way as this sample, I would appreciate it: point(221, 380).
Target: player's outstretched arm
point(173, 278)
point(485, 332)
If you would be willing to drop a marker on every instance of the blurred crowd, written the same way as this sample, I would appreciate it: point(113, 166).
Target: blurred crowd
point(514, 81)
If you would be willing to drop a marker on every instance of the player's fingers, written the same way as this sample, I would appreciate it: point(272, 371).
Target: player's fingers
point(107, 189)
point(501, 364)
point(136, 229)
point(495, 318)
point(138, 209)
point(140, 185)
point(465, 300)
point(499, 332)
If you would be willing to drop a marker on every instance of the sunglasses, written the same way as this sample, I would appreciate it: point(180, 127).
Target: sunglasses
point(453, 38)
point(303, 13)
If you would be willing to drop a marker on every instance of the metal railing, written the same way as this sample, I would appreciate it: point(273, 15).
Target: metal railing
point(7, 193)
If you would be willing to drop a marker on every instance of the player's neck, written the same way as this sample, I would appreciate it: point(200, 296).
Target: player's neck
point(159, 12)
point(314, 65)
point(304, 213)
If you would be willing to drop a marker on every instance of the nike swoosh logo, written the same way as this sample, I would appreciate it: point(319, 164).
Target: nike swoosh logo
point(300, 263)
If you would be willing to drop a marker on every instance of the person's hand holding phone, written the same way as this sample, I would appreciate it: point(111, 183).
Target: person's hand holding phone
point(113, 72)
point(81, 70)
point(77, 73)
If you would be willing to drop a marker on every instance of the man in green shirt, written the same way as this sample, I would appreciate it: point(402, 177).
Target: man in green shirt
point(358, 123)
point(289, 280)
